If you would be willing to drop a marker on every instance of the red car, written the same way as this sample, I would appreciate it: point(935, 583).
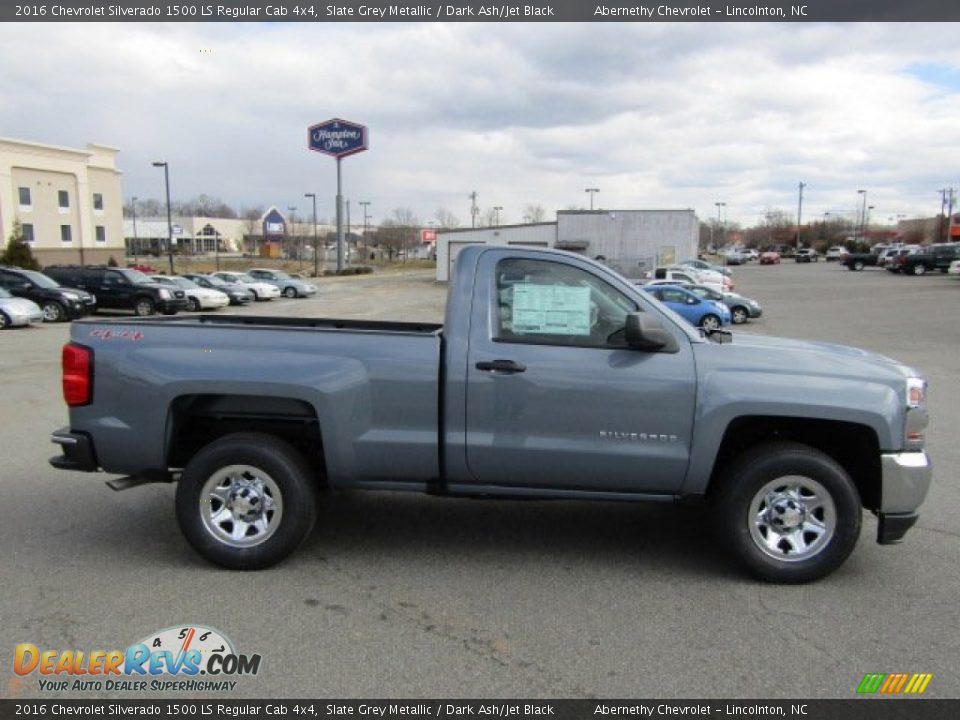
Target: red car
point(770, 258)
point(148, 269)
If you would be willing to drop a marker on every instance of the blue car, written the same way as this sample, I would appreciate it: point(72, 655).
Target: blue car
point(698, 311)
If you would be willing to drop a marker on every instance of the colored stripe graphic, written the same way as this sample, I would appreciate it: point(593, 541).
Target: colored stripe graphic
point(894, 683)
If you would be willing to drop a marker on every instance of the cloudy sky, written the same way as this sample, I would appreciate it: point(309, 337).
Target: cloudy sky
point(655, 115)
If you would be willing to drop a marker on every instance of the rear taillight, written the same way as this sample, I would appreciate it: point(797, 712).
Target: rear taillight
point(77, 374)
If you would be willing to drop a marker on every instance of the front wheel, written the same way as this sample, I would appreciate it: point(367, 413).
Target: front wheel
point(710, 323)
point(144, 307)
point(194, 304)
point(789, 513)
point(858, 265)
point(246, 501)
point(290, 292)
point(739, 315)
point(53, 312)
point(919, 269)
point(4, 321)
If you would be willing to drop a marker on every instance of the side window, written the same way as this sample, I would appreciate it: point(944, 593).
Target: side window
point(114, 279)
point(550, 303)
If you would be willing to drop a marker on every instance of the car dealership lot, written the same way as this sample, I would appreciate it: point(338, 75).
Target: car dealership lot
point(402, 596)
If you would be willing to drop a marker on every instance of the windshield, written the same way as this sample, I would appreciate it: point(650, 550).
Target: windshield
point(214, 280)
point(281, 275)
point(185, 283)
point(4, 293)
point(135, 276)
point(705, 292)
point(40, 280)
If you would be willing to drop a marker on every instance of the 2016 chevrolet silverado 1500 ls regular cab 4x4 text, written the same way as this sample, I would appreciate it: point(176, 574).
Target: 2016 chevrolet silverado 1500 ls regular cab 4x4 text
point(552, 377)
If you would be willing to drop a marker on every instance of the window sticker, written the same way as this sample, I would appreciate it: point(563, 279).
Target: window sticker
point(551, 309)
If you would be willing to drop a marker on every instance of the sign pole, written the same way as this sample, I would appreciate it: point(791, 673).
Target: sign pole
point(339, 221)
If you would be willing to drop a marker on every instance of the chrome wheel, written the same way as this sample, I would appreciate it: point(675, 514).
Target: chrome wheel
point(241, 506)
point(710, 323)
point(792, 518)
point(739, 316)
point(53, 312)
point(290, 292)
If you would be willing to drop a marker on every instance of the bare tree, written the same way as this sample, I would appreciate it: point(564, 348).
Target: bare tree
point(251, 225)
point(487, 218)
point(397, 233)
point(446, 219)
point(534, 213)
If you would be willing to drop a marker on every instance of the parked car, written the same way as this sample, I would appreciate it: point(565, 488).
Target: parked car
point(261, 290)
point(954, 268)
point(893, 258)
point(786, 442)
point(58, 303)
point(238, 293)
point(734, 257)
point(933, 257)
point(806, 255)
point(770, 257)
point(18, 311)
point(120, 288)
point(290, 287)
point(704, 265)
point(698, 311)
point(750, 254)
point(855, 262)
point(837, 252)
point(198, 298)
point(741, 308)
point(685, 274)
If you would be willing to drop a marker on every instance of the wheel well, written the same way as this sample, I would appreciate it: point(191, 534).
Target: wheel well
point(855, 447)
point(197, 420)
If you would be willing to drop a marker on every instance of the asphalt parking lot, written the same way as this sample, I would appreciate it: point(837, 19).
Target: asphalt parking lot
point(414, 596)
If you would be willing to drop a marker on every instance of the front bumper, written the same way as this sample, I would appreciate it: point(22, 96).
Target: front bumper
point(171, 306)
point(78, 453)
point(20, 319)
point(905, 481)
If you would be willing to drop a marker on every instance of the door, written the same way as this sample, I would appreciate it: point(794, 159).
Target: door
point(116, 290)
point(555, 398)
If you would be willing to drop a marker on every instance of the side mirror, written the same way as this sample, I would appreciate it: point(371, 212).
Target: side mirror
point(644, 332)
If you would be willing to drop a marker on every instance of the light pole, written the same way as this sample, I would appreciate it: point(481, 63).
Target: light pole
point(592, 192)
point(166, 181)
point(863, 214)
point(364, 204)
point(133, 206)
point(216, 247)
point(866, 221)
point(316, 251)
point(496, 210)
point(719, 225)
point(800, 186)
point(292, 209)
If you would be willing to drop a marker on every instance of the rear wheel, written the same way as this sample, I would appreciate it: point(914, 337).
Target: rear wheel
point(789, 513)
point(290, 292)
point(739, 315)
point(919, 269)
point(144, 307)
point(194, 304)
point(4, 321)
point(246, 501)
point(53, 311)
point(858, 265)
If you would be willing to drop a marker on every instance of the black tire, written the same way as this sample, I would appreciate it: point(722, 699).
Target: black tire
point(290, 292)
point(53, 311)
point(4, 321)
point(751, 482)
point(739, 315)
point(287, 483)
point(144, 307)
point(194, 304)
point(256, 297)
point(858, 265)
point(919, 269)
point(710, 322)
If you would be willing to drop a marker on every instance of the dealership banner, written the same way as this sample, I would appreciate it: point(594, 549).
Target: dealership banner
point(453, 709)
point(473, 11)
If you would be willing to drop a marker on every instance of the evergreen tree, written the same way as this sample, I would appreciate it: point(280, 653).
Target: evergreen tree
point(18, 252)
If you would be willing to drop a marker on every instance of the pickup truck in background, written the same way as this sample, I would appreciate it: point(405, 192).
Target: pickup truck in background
point(552, 377)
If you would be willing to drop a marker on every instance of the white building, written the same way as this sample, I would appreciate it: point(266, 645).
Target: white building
point(629, 241)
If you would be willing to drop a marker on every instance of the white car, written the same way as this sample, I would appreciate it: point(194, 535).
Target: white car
point(837, 252)
point(260, 290)
point(15, 311)
point(711, 278)
point(198, 298)
point(954, 268)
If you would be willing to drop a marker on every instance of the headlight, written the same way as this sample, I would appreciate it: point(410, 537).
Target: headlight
point(916, 392)
point(71, 296)
point(164, 294)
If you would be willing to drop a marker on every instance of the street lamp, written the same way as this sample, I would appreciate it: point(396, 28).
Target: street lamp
point(592, 191)
point(293, 229)
point(866, 221)
point(133, 209)
point(800, 186)
point(166, 181)
point(496, 210)
point(316, 252)
point(719, 223)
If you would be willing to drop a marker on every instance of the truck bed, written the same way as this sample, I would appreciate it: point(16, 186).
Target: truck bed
point(267, 321)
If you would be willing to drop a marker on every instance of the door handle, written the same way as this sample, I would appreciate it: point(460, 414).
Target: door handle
point(506, 367)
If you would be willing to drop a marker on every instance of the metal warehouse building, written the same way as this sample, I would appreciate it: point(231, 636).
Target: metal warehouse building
point(629, 241)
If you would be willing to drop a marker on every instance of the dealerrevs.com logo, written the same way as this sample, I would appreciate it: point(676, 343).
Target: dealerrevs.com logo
point(894, 683)
point(185, 657)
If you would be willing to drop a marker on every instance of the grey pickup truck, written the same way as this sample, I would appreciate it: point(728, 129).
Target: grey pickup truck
point(552, 377)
